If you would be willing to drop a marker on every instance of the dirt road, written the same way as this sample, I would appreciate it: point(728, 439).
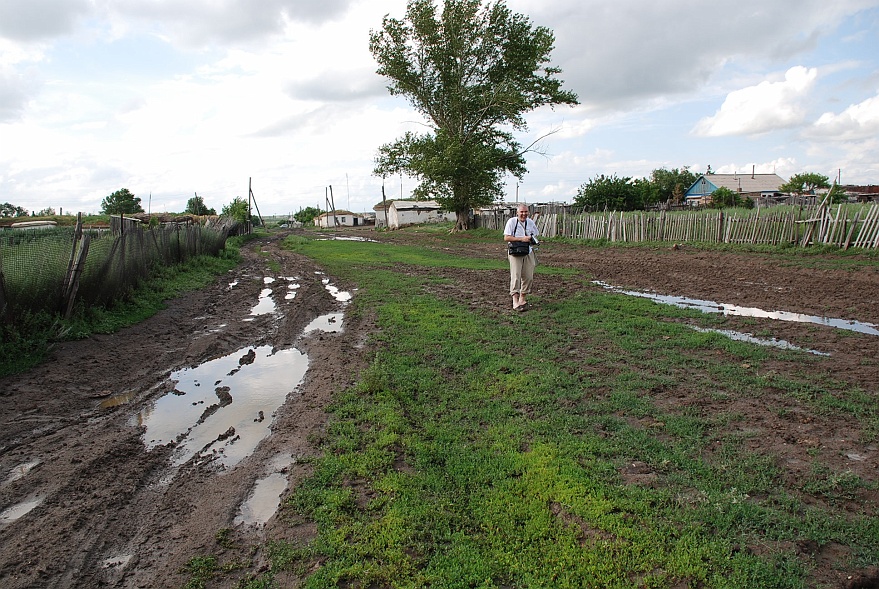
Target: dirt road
point(115, 469)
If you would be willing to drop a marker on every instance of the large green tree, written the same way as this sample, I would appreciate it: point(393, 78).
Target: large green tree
point(725, 197)
point(121, 202)
point(805, 183)
point(472, 71)
point(196, 206)
point(11, 210)
point(611, 193)
point(307, 215)
point(237, 209)
point(672, 183)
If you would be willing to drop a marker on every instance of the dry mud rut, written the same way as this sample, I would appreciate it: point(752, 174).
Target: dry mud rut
point(123, 456)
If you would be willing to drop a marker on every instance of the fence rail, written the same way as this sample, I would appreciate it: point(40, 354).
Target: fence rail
point(843, 226)
point(52, 270)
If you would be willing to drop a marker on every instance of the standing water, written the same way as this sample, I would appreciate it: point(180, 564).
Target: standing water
point(222, 409)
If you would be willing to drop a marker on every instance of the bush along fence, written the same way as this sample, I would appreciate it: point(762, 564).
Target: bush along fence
point(843, 226)
point(53, 270)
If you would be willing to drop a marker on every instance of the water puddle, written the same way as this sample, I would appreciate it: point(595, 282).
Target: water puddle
point(116, 561)
point(334, 238)
point(222, 409)
point(20, 471)
point(726, 309)
point(263, 501)
point(15, 512)
point(747, 337)
point(329, 323)
point(265, 305)
point(341, 296)
point(117, 400)
point(292, 287)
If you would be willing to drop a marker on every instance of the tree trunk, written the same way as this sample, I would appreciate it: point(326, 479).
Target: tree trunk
point(462, 221)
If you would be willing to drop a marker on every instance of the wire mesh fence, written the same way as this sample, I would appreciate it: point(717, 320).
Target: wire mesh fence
point(53, 269)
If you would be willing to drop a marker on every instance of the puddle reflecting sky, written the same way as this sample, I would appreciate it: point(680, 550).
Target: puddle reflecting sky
point(339, 238)
point(20, 510)
point(341, 296)
point(265, 305)
point(329, 323)
point(264, 500)
point(726, 309)
point(20, 471)
point(240, 391)
point(747, 337)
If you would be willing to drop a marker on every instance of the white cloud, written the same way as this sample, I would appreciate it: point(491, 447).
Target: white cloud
point(206, 22)
point(615, 55)
point(765, 107)
point(31, 20)
point(857, 122)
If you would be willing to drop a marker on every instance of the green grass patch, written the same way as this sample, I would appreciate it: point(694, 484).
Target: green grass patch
point(27, 341)
point(463, 458)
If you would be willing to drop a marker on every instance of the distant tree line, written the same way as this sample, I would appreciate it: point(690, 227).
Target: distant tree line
point(623, 193)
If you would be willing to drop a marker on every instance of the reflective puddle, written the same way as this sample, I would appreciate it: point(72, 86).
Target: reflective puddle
point(264, 501)
point(116, 561)
point(340, 295)
point(292, 287)
point(20, 471)
point(364, 239)
point(714, 307)
point(222, 409)
point(330, 323)
point(747, 337)
point(117, 400)
point(265, 498)
point(265, 304)
point(15, 512)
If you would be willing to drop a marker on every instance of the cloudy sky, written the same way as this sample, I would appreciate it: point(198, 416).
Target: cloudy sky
point(172, 98)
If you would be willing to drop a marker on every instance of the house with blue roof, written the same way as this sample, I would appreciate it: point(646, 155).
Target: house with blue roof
point(751, 185)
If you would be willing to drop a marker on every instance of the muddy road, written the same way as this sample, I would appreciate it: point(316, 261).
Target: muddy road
point(124, 455)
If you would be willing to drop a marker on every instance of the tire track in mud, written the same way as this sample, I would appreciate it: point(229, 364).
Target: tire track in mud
point(111, 514)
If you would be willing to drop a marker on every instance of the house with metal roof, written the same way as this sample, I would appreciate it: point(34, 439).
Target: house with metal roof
point(339, 218)
point(751, 185)
point(400, 213)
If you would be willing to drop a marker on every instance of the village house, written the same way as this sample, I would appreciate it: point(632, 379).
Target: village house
point(753, 186)
point(400, 213)
point(339, 218)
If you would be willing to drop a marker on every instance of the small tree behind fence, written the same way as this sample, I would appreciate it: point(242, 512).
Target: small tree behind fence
point(843, 226)
point(52, 270)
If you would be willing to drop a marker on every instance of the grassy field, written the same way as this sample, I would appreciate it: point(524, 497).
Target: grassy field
point(26, 341)
point(486, 451)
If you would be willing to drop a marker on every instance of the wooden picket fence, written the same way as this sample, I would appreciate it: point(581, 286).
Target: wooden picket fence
point(843, 226)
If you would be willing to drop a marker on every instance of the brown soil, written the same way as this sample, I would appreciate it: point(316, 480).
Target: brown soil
point(111, 514)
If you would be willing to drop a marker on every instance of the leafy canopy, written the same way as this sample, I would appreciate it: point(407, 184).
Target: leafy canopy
point(196, 206)
point(725, 197)
point(11, 210)
point(237, 209)
point(627, 194)
point(472, 71)
point(121, 202)
point(307, 215)
point(805, 183)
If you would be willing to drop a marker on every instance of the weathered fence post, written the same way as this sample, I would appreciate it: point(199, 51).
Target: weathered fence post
point(5, 311)
point(76, 272)
point(77, 234)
